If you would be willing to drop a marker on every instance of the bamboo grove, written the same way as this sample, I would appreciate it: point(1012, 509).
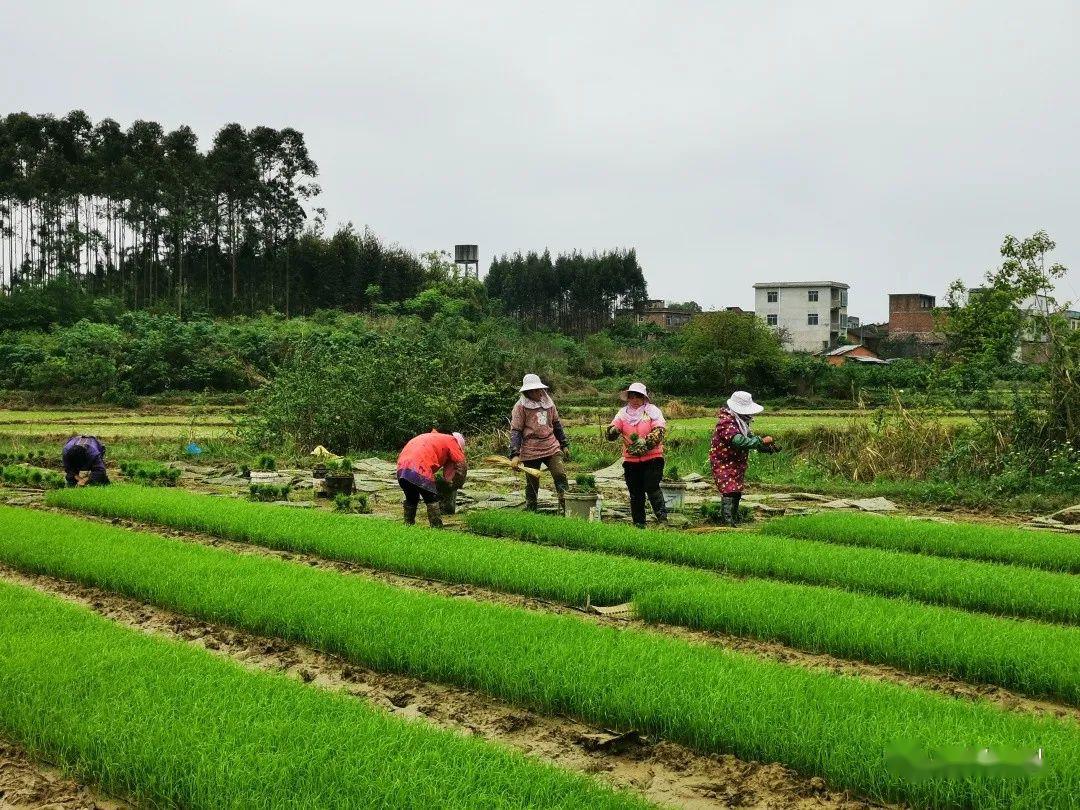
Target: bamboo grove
point(143, 215)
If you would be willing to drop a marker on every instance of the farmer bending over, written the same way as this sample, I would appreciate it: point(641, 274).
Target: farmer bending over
point(420, 459)
point(730, 453)
point(81, 454)
point(537, 437)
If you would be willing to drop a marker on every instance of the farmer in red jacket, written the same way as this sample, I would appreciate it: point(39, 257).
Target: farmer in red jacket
point(420, 459)
point(730, 453)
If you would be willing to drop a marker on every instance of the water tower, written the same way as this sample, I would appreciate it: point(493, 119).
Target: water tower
point(468, 258)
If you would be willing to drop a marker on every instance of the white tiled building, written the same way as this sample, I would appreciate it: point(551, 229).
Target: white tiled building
point(812, 314)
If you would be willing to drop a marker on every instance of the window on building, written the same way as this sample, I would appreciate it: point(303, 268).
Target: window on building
point(770, 320)
point(772, 296)
point(812, 296)
point(811, 319)
point(926, 303)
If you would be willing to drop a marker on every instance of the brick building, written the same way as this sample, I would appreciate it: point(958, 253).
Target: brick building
point(911, 314)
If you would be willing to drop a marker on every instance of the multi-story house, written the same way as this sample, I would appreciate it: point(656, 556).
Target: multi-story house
point(811, 315)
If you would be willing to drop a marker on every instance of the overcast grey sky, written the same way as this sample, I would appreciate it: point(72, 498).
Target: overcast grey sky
point(887, 145)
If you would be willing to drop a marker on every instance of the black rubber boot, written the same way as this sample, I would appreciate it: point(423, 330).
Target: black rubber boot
point(656, 498)
point(637, 511)
point(736, 498)
point(434, 515)
point(530, 503)
point(727, 511)
point(410, 514)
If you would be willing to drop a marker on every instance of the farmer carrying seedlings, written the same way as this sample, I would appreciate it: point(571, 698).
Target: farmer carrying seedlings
point(81, 454)
point(420, 459)
point(731, 445)
point(641, 426)
point(537, 438)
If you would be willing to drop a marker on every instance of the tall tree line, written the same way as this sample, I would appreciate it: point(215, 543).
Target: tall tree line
point(143, 215)
point(573, 293)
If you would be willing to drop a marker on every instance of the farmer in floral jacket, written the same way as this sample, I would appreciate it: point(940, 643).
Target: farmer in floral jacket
point(641, 426)
point(731, 445)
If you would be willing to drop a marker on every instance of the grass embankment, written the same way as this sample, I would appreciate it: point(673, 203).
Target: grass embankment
point(1035, 549)
point(998, 589)
point(1030, 657)
point(713, 700)
point(168, 725)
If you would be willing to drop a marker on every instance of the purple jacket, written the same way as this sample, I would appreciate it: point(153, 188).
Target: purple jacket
point(90, 455)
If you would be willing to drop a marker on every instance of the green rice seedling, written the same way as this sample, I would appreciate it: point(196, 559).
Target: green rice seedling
point(265, 462)
point(357, 503)
point(998, 589)
point(1036, 549)
point(1027, 656)
point(835, 726)
point(268, 492)
point(150, 473)
point(22, 475)
point(168, 725)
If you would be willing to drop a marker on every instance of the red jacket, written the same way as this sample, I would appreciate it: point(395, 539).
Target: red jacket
point(425, 454)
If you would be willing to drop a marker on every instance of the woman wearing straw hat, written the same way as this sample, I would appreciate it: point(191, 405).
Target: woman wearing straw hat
point(641, 426)
point(537, 438)
point(731, 445)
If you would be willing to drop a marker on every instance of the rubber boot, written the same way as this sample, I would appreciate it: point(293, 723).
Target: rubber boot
point(727, 511)
point(736, 497)
point(530, 501)
point(410, 514)
point(434, 515)
point(659, 507)
point(561, 485)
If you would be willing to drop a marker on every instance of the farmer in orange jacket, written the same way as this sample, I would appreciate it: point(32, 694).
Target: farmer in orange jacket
point(420, 459)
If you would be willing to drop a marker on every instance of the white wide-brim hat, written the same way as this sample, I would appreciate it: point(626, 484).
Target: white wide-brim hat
point(532, 382)
point(634, 388)
point(459, 439)
point(743, 404)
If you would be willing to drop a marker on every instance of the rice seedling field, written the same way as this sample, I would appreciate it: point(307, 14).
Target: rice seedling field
point(1036, 658)
point(840, 728)
point(1036, 549)
point(968, 584)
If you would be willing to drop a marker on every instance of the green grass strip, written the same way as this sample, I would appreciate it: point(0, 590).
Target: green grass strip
point(714, 700)
point(171, 726)
point(1034, 658)
point(1035, 549)
point(998, 589)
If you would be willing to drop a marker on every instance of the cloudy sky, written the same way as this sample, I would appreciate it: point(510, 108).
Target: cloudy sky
point(890, 146)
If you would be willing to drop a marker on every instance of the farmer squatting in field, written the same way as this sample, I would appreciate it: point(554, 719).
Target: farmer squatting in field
point(641, 426)
point(82, 454)
point(730, 452)
point(537, 438)
point(421, 458)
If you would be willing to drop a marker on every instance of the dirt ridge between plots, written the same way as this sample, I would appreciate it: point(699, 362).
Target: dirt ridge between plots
point(662, 772)
point(772, 650)
point(28, 784)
